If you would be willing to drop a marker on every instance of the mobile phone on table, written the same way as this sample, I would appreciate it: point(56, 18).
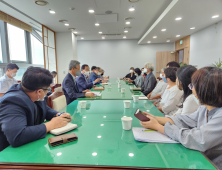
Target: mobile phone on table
point(141, 116)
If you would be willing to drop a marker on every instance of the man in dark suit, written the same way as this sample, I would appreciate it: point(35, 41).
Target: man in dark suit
point(150, 80)
point(95, 75)
point(23, 110)
point(69, 85)
point(82, 81)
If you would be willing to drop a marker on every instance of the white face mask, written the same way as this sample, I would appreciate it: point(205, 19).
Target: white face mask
point(145, 70)
point(87, 73)
point(196, 100)
point(42, 98)
point(161, 75)
point(131, 71)
point(13, 74)
point(99, 73)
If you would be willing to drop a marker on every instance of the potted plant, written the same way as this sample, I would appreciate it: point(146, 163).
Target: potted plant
point(218, 64)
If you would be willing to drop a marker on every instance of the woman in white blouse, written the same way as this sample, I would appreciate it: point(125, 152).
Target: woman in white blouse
point(172, 96)
point(190, 103)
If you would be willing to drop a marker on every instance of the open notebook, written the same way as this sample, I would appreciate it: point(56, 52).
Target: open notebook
point(150, 136)
point(96, 93)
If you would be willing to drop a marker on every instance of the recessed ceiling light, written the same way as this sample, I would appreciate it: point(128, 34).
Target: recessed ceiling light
point(75, 32)
point(41, 2)
point(164, 29)
point(66, 24)
point(132, 9)
point(51, 11)
point(178, 36)
point(155, 37)
point(103, 37)
point(100, 32)
point(168, 40)
point(148, 41)
point(179, 18)
point(192, 28)
point(127, 22)
point(215, 16)
point(96, 24)
point(126, 31)
point(124, 37)
point(82, 38)
point(91, 11)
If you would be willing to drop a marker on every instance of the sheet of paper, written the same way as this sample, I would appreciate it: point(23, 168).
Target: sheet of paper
point(96, 93)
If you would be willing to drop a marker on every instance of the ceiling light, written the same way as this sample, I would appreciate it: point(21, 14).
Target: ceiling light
point(192, 28)
point(164, 29)
point(103, 37)
point(82, 38)
point(127, 22)
point(155, 37)
point(96, 24)
point(41, 2)
point(75, 32)
point(124, 37)
point(178, 36)
point(179, 18)
point(126, 31)
point(168, 40)
point(91, 11)
point(51, 11)
point(148, 41)
point(132, 9)
point(100, 32)
point(215, 16)
point(66, 24)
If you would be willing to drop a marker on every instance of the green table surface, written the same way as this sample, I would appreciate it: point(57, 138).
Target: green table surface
point(114, 93)
point(103, 142)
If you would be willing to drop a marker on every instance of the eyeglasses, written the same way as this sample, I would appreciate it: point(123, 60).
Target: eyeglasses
point(45, 89)
point(190, 86)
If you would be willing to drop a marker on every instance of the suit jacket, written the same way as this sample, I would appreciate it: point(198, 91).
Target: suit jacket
point(93, 77)
point(18, 115)
point(149, 84)
point(70, 89)
point(129, 76)
point(82, 83)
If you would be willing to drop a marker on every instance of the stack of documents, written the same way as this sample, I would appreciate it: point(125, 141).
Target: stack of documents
point(96, 93)
point(104, 83)
point(147, 135)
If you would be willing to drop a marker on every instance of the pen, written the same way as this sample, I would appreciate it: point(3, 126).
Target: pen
point(149, 130)
point(67, 117)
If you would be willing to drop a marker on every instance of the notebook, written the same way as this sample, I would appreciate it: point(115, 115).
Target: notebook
point(150, 136)
point(96, 93)
point(64, 129)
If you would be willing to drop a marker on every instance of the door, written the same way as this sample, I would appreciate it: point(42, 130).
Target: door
point(186, 53)
point(162, 58)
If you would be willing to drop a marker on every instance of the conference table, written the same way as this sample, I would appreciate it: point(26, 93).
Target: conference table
point(103, 144)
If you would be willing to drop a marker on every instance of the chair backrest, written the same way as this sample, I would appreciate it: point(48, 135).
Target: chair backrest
point(52, 97)
point(59, 103)
point(58, 89)
point(55, 86)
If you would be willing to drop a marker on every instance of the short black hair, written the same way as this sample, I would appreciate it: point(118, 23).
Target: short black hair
point(171, 73)
point(132, 68)
point(93, 68)
point(53, 72)
point(138, 71)
point(84, 66)
point(97, 68)
point(173, 64)
point(207, 83)
point(36, 78)
point(12, 66)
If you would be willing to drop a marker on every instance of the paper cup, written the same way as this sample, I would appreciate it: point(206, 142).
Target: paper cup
point(82, 104)
point(122, 90)
point(126, 122)
point(135, 98)
point(127, 103)
point(109, 85)
point(119, 85)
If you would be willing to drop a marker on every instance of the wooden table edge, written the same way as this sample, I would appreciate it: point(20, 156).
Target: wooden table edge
point(209, 160)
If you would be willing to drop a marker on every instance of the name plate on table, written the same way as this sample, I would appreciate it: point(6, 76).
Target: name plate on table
point(98, 88)
point(137, 89)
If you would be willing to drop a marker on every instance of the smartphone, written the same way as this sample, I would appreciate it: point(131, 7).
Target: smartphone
point(141, 116)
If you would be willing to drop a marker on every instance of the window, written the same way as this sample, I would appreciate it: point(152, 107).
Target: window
point(37, 51)
point(20, 73)
point(16, 38)
point(1, 60)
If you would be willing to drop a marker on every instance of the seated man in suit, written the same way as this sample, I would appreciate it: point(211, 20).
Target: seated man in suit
point(95, 75)
point(82, 81)
point(23, 110)
point(149, 81)
point(92, 71)
point(69, 85)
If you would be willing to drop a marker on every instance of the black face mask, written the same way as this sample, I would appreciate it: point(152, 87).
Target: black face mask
point(101, 74)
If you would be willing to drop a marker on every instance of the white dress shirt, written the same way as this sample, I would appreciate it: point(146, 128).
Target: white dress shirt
point(171, 98)
point(159, 89)
point(6, 83)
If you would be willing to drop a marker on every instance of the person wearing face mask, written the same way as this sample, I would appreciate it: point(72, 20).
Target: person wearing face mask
point(139, 78)
point(69, 84)
point(95, 75)
point(189, 104)
point(150, 80)
point(158, 91)
point(130, 75)
point(172, 95)
point(8, 80)
point(82, 81)
point(202, 129)
point(23, 110)
point(142, 72)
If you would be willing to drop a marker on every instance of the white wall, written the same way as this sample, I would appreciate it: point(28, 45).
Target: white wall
point(206, 46)
point(66, 51)
point(117, 56)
